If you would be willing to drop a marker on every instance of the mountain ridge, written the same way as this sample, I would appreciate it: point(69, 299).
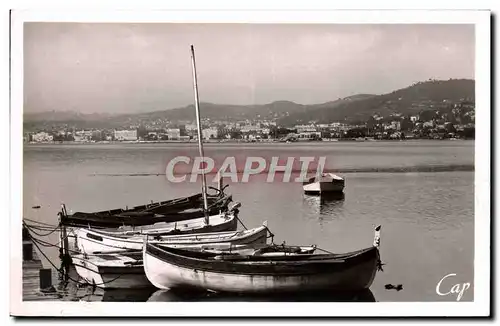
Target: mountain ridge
point(408, 100)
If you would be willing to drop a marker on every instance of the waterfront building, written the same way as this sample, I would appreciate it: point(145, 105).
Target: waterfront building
point(305, 128)
point(209, 133)
point(173, 133)
point(126, 135)
point(41, 137)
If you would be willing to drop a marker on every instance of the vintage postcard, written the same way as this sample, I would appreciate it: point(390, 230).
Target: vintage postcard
point(250, 163)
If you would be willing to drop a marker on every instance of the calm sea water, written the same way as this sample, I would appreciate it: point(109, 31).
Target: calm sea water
point(427, 217)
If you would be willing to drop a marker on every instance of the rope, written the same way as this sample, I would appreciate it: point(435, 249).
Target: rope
point(329, 252)
point(62, 273)
point(38, 222)
point(41, 235)
point(44, 243)
point(41, 227)
point(271, 235)
point(32, 228)
point(236, 215)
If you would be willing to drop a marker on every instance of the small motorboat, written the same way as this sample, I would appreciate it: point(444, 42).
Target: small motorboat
point(171, 268)
point(324, 183)
point(122, 270)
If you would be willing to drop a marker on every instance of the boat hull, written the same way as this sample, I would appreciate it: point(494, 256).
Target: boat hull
point(168, 211)
point(90, 241)
point(168, 272)
point(111, 277)
point(79, 238)
point(326, 183)
point(323, 187)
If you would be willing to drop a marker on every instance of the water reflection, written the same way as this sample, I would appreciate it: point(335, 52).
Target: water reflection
point(171, 295)
point(119, 295)
point(88, 293)
point(325, 205)
point(74, 289)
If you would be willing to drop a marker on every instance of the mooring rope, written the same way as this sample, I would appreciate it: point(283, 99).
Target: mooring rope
point(328, 252)
point(38, 222)
point(271, 235)
point(32, 228)
point(236, 215)
point(63, 273)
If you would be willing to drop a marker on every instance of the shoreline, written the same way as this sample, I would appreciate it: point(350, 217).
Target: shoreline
point(194, 142)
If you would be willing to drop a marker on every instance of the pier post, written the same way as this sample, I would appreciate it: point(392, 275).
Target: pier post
point(45, 278)
point(63, 249)
point(27, 251)
point(26, 234)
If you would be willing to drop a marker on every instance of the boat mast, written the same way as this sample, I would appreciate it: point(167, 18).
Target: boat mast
point(200, 142)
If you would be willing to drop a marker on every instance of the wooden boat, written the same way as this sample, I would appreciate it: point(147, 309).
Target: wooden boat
point(178, 209)
point(324, 183)
point(92, 241)
point(170, 268)
point(113, 270)
point(226, 221)
point(220, 222)
point(124, 269)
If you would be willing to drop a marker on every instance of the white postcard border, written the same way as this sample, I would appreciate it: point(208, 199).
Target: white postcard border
point(481, 304)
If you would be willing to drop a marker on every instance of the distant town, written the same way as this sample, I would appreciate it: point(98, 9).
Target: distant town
point(443, 120)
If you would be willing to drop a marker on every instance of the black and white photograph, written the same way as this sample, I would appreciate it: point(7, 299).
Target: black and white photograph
point(204, 164)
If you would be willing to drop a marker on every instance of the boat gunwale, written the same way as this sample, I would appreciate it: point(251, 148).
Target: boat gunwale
point(184, 237)
point(223, 217)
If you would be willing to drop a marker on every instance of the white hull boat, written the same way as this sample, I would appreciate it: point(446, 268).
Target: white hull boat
point(171, 268)
point(327, 183)
point(226, 221)
point(112, 271)
point(95, 241)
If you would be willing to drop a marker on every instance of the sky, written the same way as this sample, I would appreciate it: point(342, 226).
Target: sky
point(124, 67)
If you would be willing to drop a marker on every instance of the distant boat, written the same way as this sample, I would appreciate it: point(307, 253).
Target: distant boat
point(324, 183)
point(171, 268)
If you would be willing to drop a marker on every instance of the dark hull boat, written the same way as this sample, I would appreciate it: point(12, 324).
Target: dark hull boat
point(178, 209)
point(170, 268)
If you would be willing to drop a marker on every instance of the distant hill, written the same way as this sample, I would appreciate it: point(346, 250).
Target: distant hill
point(228, 111)
point(407, 101)
point(63, 116)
